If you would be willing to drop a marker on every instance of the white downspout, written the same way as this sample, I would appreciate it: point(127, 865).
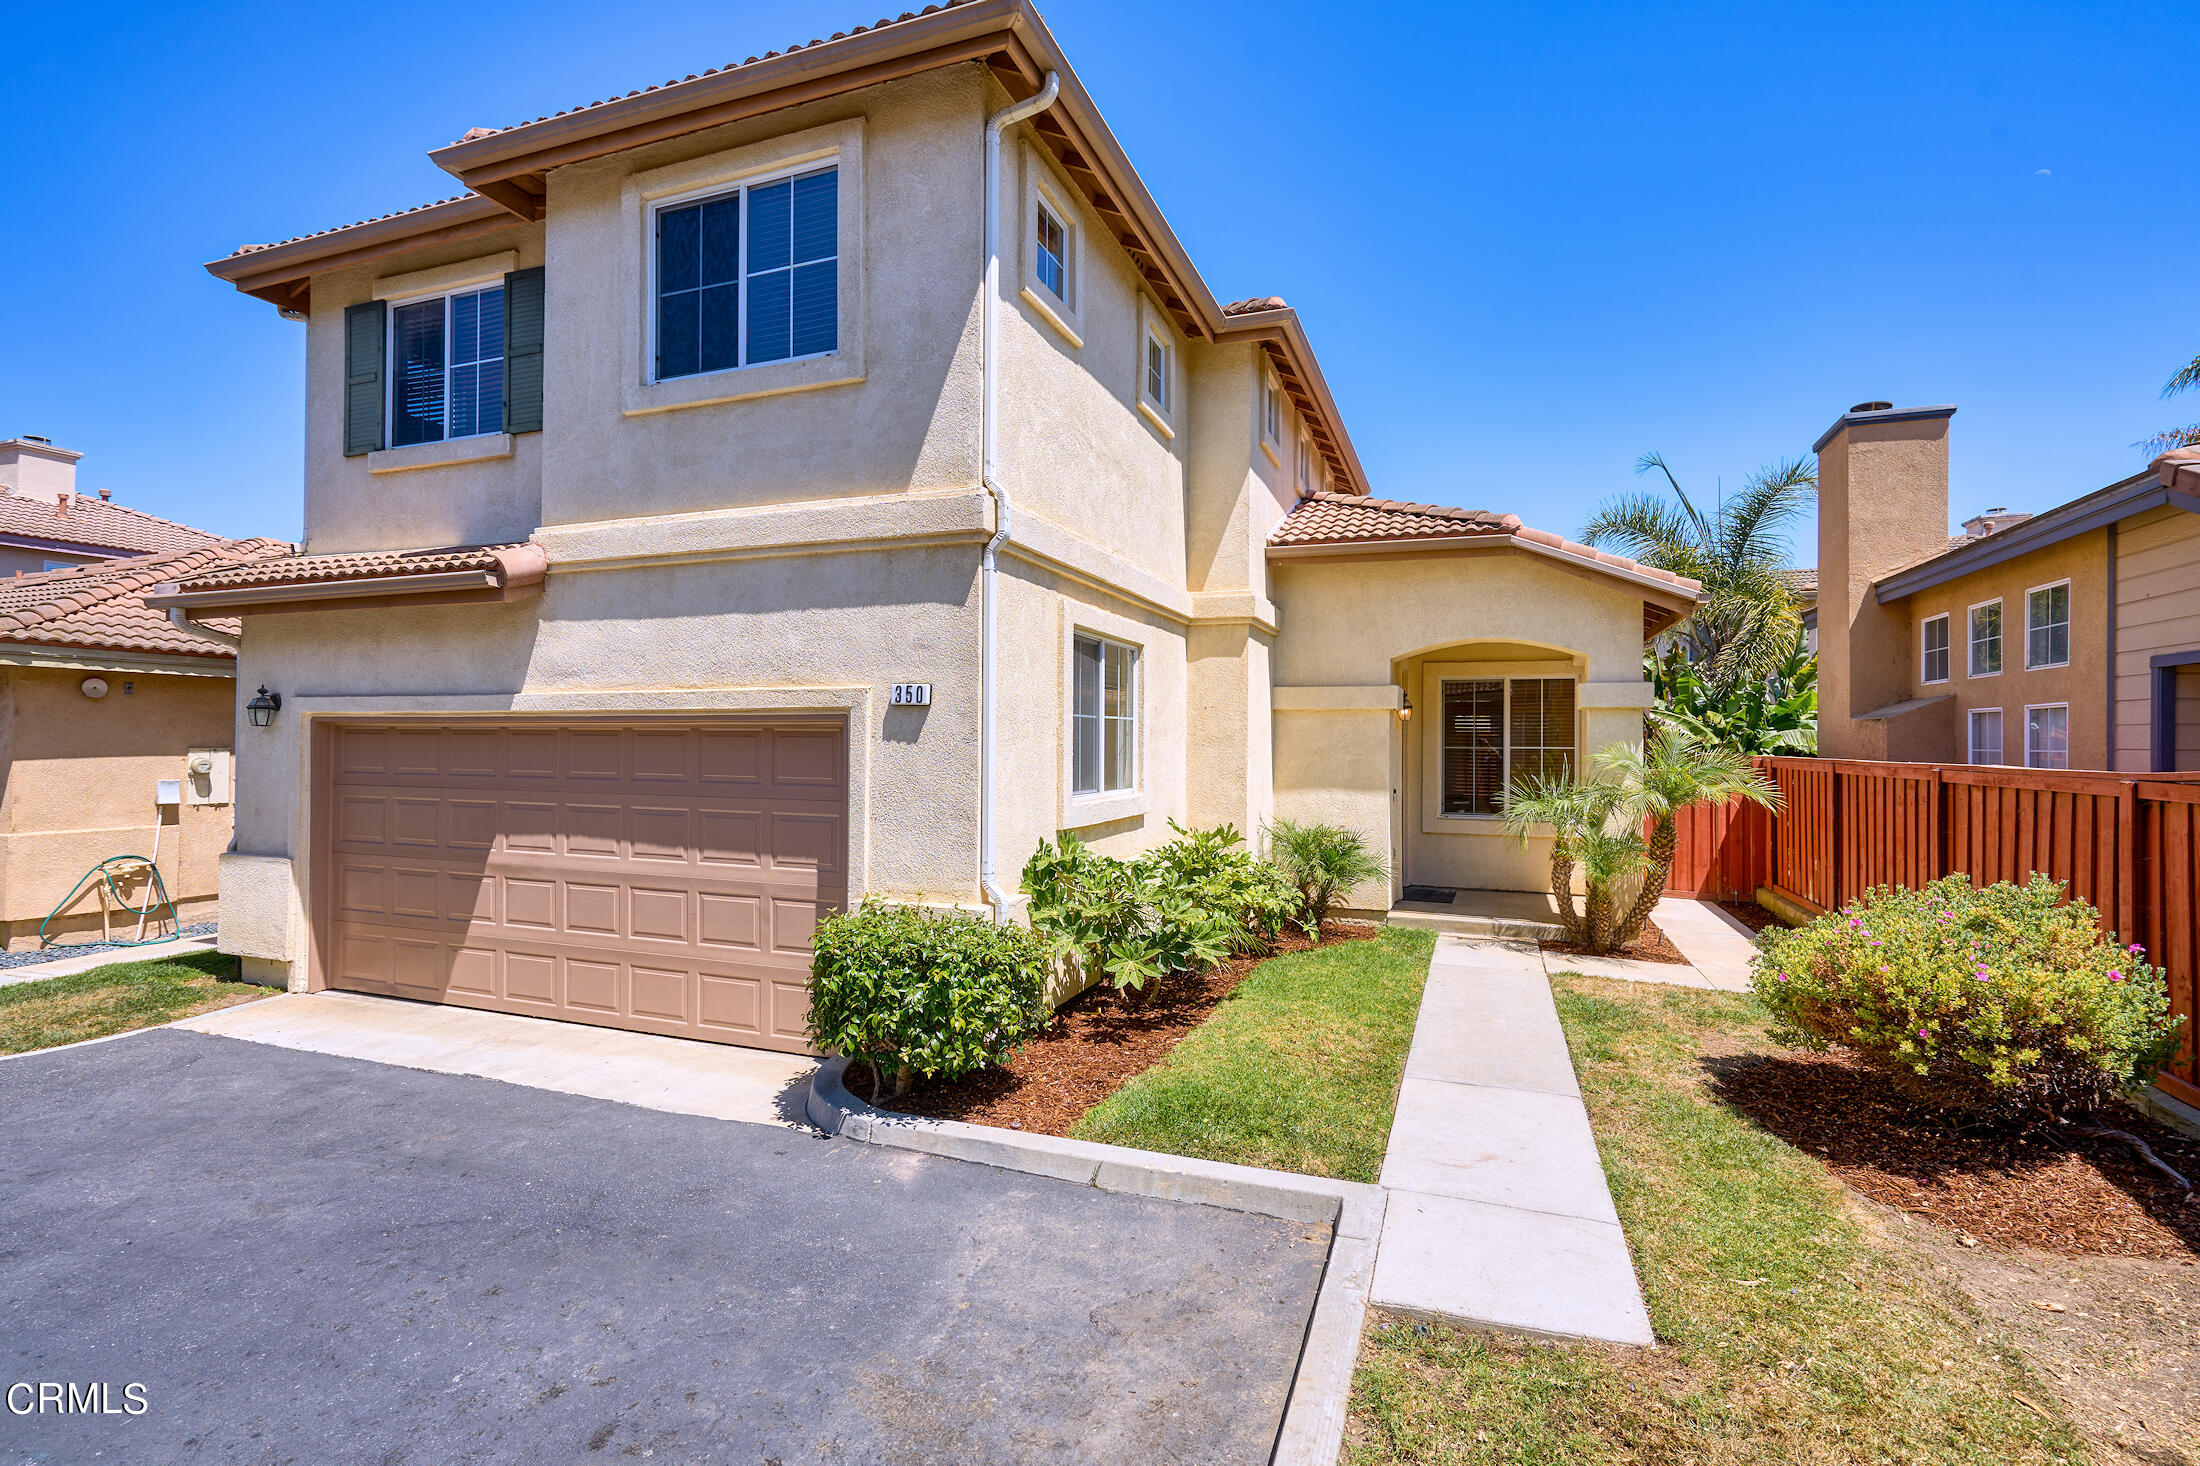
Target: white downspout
point(183, 622)
point(989, 434)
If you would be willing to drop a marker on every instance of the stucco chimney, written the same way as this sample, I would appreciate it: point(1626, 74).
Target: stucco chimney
point(1882, 504)
point(34, 468)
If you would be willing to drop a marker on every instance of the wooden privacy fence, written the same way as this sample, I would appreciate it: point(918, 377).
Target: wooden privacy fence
point(2126, 844)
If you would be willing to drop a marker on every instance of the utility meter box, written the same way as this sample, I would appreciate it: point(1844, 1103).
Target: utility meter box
point(206, 774)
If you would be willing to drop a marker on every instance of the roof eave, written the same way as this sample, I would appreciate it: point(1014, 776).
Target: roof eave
point(2119, 501)
point(280, 273)
point(1282, 327)
point(1676, 595)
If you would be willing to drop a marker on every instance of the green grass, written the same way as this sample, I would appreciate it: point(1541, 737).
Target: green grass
point(1792, 1330)
point(1296, 1071)
point(116, 998)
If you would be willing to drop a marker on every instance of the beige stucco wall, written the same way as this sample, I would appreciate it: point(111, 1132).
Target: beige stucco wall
point(80, 777)
point(1359, 630)
point(2157, 610)
point(2083, 684)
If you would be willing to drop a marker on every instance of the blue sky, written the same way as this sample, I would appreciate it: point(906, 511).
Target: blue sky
point(1529, 242)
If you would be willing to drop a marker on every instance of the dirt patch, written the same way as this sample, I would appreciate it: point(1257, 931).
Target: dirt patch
point(1096, 1046)
point(1751, 915)
point(2052, 1190)
point(1651, 945)
point(2112, 1337)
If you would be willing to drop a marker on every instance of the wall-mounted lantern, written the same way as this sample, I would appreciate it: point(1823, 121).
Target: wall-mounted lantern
point(1405, 707)
point(263, 708)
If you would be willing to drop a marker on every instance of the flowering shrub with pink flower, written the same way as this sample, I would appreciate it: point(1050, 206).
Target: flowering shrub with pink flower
point(2005, 1001)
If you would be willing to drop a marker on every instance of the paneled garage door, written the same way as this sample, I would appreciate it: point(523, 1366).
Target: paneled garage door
point(665, 877)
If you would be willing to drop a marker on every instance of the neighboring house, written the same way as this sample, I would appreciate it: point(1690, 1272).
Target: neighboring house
point(45, 524)
point(1803, 590)
point(101, 699)
point(2069, 638)
point(700, 538)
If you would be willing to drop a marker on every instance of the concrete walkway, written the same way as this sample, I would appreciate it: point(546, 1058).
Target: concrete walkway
point(1497, 1214)
point(104, 957)
point(1717, 946)
point(676, 1075)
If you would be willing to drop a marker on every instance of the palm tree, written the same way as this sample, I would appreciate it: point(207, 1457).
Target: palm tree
point(1578, 816)
point(1748, 619)
point(1324, 862)
point(1671, 773)
point(2188, 436)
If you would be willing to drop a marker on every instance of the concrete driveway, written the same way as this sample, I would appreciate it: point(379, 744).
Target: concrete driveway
point(306, 1258)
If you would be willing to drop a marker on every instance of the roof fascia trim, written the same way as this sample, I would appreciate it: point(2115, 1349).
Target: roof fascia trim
point(2034, 534)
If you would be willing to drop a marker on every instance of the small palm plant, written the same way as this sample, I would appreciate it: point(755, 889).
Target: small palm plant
point(1595, 826)
point(1586, 822)
point(1669, 774)
point(1324, 862)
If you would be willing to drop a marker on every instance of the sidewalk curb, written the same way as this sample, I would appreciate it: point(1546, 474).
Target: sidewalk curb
point(1312, 1433)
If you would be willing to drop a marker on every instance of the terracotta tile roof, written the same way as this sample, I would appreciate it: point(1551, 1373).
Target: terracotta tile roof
point(1802, 581)
point(82, 519)
point(1255, 303)
point(245, 249)
point(311, 570)
point(102, 606)
point(475, 134)
point(1325, 518)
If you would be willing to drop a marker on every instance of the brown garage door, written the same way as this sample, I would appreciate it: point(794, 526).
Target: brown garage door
point(664, 877)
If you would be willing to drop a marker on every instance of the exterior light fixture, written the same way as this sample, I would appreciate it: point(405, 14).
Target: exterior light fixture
point(263, 708)
point(1405, 707)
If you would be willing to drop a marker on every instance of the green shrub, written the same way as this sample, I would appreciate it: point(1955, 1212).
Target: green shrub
point(932, 993)
point(1181, 907)
point(1324, 862)
point(1997, 1002)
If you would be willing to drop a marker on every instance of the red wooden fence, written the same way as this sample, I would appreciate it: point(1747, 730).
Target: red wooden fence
point(2127, 845)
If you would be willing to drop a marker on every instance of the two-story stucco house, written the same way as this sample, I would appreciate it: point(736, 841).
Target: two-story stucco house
point(828, 475)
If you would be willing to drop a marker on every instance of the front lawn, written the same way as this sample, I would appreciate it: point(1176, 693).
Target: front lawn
point(1297, 1070)
point(1793, 1327)
point(113, 999)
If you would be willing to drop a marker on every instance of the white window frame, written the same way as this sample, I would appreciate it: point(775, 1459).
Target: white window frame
point(2043, 707)
point(833, 144)
point(1042, 190)
point(1947, 649)
point(1309, 478)
point(1970, 638)
point(1268, 423)
point(1082, 811)
point(391, 306)
point(741, 188)
point(2001, 736)
point(2070, 609)
point(1504, 729)
point(1154, 330)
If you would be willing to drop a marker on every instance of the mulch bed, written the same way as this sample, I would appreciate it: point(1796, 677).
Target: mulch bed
point(1096, 1046)
point(1751, 915)
point(1651, 945)
point(2053, 1189)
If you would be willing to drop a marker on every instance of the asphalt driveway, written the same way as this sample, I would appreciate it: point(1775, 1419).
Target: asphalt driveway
point(303, 1258)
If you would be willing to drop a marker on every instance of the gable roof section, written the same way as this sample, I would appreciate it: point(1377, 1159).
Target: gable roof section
point(103, 607)
point(505, 170)
point(83, 521)
point(1326, 523)
point(2169, 482)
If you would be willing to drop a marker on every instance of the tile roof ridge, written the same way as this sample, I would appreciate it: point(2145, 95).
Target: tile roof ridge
point(456, 198)
point(478, 133)
point(1401, 506)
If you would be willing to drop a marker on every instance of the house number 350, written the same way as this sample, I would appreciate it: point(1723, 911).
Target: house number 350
point(912, 694)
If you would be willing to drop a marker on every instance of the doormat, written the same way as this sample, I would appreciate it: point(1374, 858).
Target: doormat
point(1437, 895)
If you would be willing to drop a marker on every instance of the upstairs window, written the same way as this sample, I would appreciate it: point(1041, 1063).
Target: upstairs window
point(1051, 253)
point(1157, 382)
point(1271, 408)
point(1933, 657)
point(1103, 716)
point(750, 276)
point(1986, 640)
point(1309, 469)
point(447, 376)
point(1499, 729)
point(2047, 628)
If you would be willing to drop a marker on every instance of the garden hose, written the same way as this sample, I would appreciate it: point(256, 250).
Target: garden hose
point(106, 873)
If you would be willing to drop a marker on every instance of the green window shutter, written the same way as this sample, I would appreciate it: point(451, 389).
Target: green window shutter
point(363, 338)
point(523, 351)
